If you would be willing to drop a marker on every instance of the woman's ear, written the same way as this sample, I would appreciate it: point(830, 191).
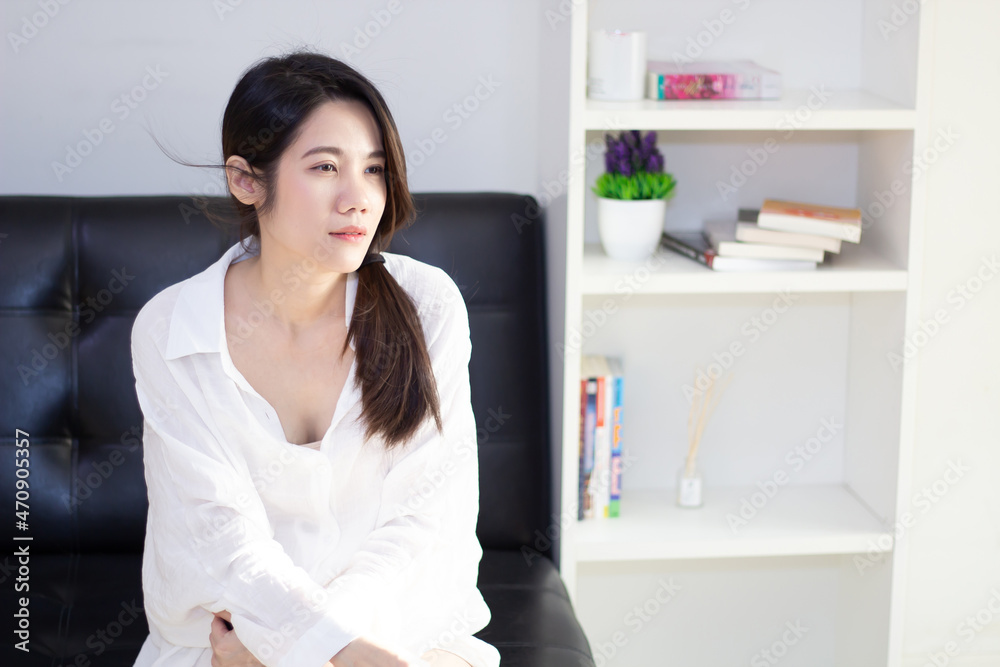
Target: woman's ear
point(241, 181)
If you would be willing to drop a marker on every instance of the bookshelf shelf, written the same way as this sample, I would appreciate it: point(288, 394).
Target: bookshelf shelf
point(857, 270)
point(799, 520)
point(840, 110)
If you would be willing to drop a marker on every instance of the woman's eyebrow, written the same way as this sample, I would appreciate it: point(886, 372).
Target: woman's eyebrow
point(334, 150)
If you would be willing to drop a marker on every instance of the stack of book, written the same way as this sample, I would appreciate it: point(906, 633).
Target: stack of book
point(780, 236)
point(600, 437)
point(711, 80)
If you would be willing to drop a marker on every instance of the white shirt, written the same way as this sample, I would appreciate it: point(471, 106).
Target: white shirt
point(306, 548)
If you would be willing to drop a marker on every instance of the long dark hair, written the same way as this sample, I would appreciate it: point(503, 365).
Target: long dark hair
point(264, 114)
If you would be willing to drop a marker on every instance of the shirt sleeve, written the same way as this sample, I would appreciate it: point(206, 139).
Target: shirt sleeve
point(430, 502)
point(209, 540)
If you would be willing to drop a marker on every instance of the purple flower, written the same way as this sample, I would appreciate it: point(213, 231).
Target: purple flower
point(649, 142)
point(632, 153)
point(655, 163)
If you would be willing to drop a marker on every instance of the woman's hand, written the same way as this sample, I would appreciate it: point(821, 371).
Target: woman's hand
point(227, 649)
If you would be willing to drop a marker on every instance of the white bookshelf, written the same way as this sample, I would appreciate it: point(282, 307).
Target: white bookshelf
point(824, 549)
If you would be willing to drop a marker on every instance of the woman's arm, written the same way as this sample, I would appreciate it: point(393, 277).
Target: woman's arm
point(209, 539)
point(229, 651)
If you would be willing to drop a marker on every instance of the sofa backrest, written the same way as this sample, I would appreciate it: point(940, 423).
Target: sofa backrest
point(75, 271)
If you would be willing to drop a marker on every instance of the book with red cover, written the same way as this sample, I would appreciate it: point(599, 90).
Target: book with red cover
point(692, 86)
point(734, 79)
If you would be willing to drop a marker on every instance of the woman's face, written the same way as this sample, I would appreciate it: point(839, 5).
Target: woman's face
point(330, 188)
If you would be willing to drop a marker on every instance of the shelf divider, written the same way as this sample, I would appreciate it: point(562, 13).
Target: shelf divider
point(808, 109)
point(798, 520)
point(857, 269)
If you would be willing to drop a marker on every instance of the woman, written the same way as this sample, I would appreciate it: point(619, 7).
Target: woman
point(309, 442)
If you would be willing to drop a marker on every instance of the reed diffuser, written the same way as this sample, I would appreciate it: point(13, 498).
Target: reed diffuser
point(689, 477)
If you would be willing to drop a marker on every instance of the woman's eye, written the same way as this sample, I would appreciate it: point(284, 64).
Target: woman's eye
point(378, 168)
point(322, 167)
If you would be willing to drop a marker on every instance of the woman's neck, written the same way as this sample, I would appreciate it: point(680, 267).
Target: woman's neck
point(296, 291)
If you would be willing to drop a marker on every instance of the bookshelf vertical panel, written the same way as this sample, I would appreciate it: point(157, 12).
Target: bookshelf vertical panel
point(558, 292)
point(863, 603)
point(557, 57)
point(568, 352)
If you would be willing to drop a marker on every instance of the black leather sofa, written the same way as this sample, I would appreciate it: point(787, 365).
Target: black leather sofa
point(73, 274)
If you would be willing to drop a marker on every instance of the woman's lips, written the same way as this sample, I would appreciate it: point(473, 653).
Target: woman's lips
point(350, 237)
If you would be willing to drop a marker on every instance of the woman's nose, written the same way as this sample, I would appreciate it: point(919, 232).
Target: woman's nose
point(353, 195)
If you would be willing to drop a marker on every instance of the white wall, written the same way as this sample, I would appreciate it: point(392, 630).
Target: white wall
point(953, 572)
point(66, 78)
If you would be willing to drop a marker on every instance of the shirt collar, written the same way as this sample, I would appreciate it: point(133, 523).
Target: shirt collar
point(198, 320)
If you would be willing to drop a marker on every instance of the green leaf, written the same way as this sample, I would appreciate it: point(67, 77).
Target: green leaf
point(643, 185)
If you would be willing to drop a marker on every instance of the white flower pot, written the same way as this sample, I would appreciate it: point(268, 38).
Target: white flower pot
point(630, 229)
